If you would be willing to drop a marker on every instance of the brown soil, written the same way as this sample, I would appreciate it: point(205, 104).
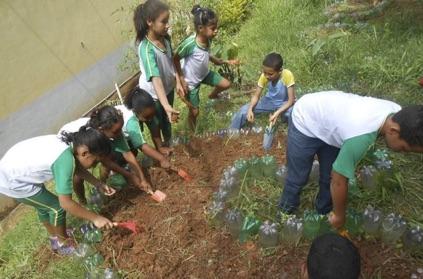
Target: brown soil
point(177, 241)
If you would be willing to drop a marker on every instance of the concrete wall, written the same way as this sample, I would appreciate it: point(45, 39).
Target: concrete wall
point(58, 58)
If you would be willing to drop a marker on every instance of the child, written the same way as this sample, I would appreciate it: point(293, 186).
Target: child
point(332, 256)
point(142, 108)
point(340, 128)
point(280, 95)
point(30, 163)
point(109, 121)
point(151, 21)
point(195, 52)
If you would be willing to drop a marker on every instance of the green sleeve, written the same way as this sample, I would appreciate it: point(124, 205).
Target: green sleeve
point(133, 130)
point(352, 151)
point(186, 48)
point(120, 145)
point(63, 170)
point(148, 59)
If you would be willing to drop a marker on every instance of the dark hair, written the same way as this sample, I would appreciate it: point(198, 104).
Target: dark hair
point(203, 16)
point(149, 10)
point(273, 60)
point(410, 120)
point(332, 256)
point(97, 143)
point(138, 100)
point(105, 117)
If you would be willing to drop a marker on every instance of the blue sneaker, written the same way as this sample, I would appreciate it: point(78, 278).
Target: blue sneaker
point(61, 248)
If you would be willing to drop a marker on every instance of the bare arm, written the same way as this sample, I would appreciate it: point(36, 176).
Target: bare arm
point(285, 106)
point(75, 209)
point(86, 175)
point(161, 95)
point(153, 153)
point(254, 100)
point(115, 167)
point(217, 61)
point(133, 163)
point(339, 192)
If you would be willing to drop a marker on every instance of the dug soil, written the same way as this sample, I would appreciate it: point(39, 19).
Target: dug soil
point(177, 240)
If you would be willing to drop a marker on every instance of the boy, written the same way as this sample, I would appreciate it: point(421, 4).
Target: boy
point(340, 128)
point(332, 256)
point(280, 93)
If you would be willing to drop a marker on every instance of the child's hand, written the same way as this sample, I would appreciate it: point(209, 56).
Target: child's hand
point(146, 187)
point(107, 190)
point(171, 114)
point(101, 222)
point(165, 163)
point(233, 62)
point(273, 118)
point(250, 116)
point(336, 221)
point(166, 150)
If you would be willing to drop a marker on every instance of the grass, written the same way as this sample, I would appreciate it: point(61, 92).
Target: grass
point(382, 59)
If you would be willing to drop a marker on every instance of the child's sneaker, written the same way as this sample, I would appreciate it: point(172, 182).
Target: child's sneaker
point(60, 248)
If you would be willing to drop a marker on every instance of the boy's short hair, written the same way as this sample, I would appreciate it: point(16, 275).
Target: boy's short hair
point(273, 60)
point(410, 120)
point(332, 256)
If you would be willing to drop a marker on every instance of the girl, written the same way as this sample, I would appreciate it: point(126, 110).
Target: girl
point(195, 52)
point(109, 121)
point(143, 109)
point(30, 163)
point(151, 21)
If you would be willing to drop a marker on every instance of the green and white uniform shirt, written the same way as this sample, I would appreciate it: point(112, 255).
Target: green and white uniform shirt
point(195, 61)
point(32, 162)
point(347, 121)
point(131, 127)
point(156, 62)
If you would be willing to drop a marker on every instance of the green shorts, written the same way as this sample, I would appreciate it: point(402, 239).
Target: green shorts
point(47, 206)
point(212, 79)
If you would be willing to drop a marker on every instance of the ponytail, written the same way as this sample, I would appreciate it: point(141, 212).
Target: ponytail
point(105, 117)
point(94, 140)
point(203, 16)
point(138, 100)
point(150, 10)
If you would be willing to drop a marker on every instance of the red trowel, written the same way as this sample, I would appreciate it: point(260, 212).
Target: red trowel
point(157, 195)
point(129, 225)
point(182, 173)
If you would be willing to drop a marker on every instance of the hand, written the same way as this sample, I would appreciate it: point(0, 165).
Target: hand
point(172, 114)
point(107, 190)
point(233, 62)
point(146, 187)
point(165, 163)
point(273, 118)
point(101, 222)
point(165, 150)
point(250, 116)
point(336, 221)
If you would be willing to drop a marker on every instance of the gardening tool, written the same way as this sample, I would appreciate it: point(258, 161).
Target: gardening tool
point(344, 233)
point(182, 173)
point(157, 195)
point(129, 225)
point(268, 137)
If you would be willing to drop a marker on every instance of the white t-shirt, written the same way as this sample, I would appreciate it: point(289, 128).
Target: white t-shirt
point(195, 61)
point(335, 116)
point(28, 164)
point(73, 126)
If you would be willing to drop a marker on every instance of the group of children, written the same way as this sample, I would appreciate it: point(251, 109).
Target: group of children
point(336, 127)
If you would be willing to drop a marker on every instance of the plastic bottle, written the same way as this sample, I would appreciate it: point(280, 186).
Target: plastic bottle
point(220, 196)
point(418, 274)
point(312, 224)
point(292, 230)
point(382, 161)
point(83, 250)
point(368, 176)
point(372, 220)
point(393, 227)
point(281, 173)
point(110, 274)
point(234, 221)
point(268, 235)
point(413, 239)
point(93, 261)
point(91, 234)
point(353, 222)
point(216, 211)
